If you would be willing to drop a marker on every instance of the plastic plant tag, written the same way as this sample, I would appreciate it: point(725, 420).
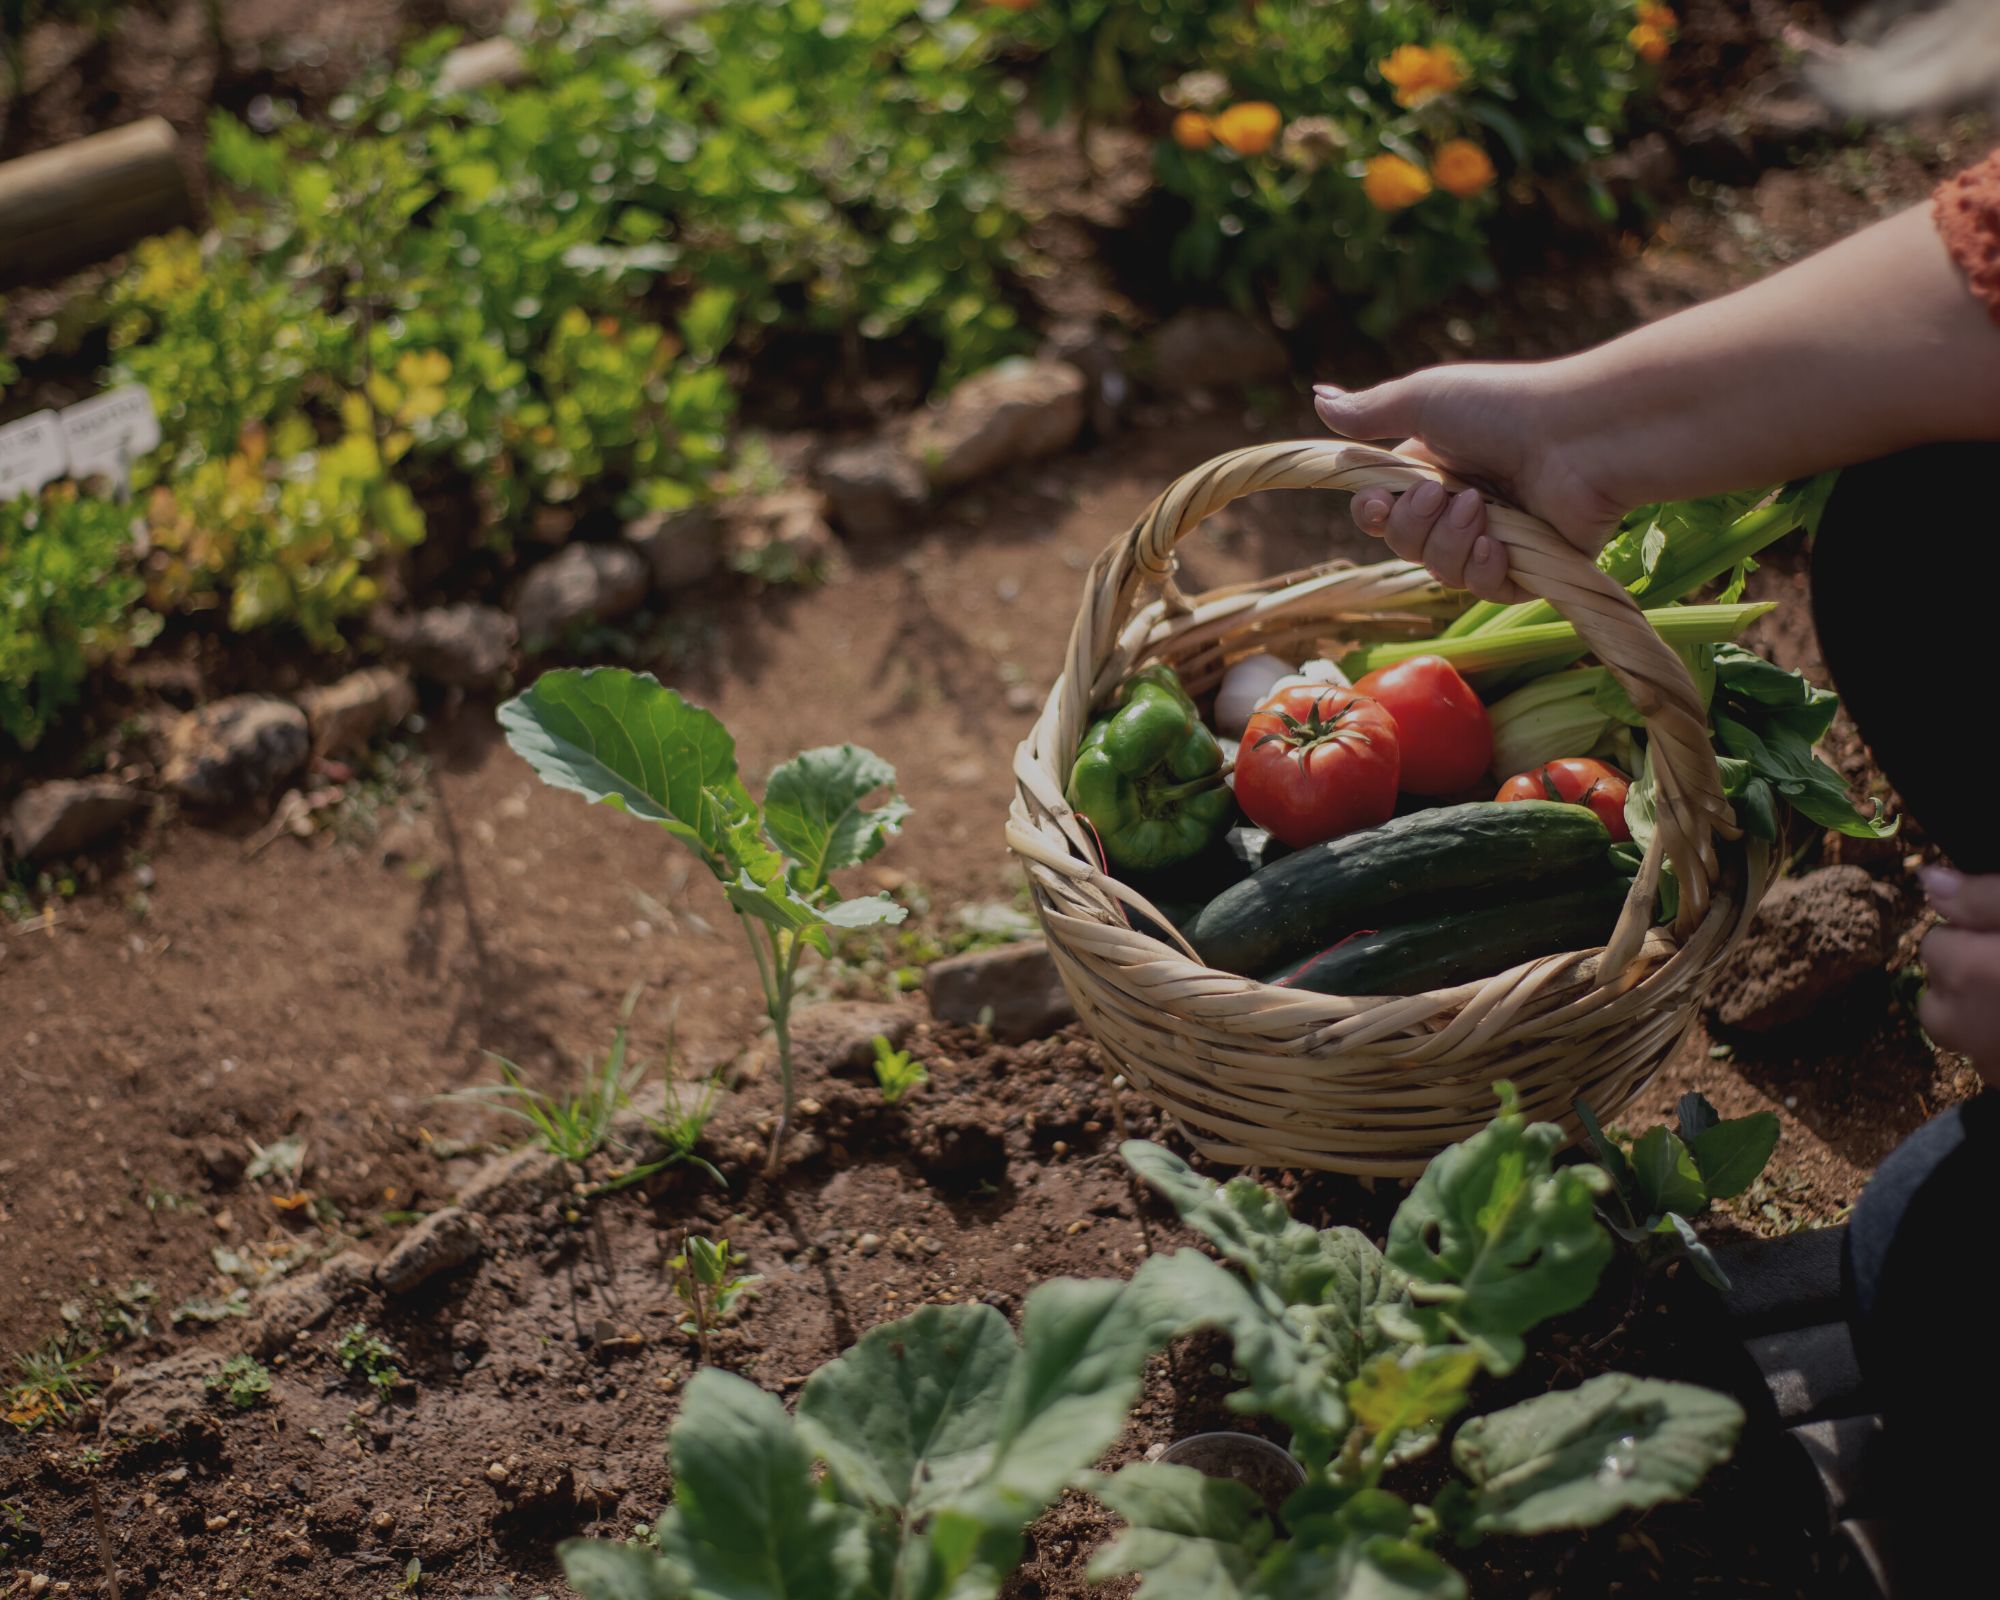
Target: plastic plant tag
point(110, 431)
point(32, 453)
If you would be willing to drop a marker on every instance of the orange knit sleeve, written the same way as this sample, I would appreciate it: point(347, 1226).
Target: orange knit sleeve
point(1967, 209)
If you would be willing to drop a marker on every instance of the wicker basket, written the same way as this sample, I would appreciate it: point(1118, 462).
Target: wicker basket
point(1268, 1076)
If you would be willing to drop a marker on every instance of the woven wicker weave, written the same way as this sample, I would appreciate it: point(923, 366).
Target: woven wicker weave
point(1269, 1076)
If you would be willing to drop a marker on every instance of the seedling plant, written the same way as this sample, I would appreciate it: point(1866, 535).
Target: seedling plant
point(708, 1284)
point(243, 1381)
point(1669, 1176)
point(626, 739)
point(572, 1127)
point(897, 1074)
point(366, 1354)
point(53, 1379)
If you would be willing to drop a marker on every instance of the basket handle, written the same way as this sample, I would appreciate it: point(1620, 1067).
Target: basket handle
point(1691, 810)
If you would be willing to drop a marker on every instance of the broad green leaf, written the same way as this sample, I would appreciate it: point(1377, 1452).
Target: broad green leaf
point(1294, 1376)
point(1731, 1154)
point(1189, 1536)
point(812, 807)
point(626, 739)
point(748, 1522)
point(1667, 1177)
point(1609, 1156)
point(1576, 1457)
point(1495, 1238)
point(1408, 1398)
point(1377, 1567)
point(909, 1415)
point(1337, 1273)
point(600, 1569)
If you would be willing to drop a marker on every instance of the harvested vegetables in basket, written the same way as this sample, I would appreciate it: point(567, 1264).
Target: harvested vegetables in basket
point(1149, 776)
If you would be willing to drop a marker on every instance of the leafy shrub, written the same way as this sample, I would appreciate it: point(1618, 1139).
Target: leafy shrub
point(67, 600)
point(1363, 144)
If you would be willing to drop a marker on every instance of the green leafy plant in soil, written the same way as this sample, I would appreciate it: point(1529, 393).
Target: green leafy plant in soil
point(917, 1458)
point(1367, 1356)
point(51, 1380)
point(898, 1074)
point(706, 1281)
point(910, 1470)
point(243, 1381)
point(573, 1126)
point(1667, 1177)
point(67, 601)
point(627, 740)
point(365, 1354)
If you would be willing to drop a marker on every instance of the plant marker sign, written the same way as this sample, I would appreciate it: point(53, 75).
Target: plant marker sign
point(32, 453)
point(109, 432)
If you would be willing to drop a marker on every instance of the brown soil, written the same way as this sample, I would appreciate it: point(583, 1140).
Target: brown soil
point(201, 994)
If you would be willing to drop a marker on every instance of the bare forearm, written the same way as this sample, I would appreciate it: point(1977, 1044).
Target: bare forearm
point(1871, 346)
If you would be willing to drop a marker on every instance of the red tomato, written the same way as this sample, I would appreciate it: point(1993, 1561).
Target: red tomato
point(1580, 783)
point(1316, 762)
point(1447, 741)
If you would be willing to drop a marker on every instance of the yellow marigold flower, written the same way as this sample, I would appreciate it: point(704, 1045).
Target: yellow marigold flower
point(1391, 183)
point(1462, 168)
point(1649, 41)
point(1193, 131)
point(1250, 128)
point(1418, 73)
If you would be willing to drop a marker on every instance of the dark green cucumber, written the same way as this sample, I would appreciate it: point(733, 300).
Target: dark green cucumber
point(1459, 947)
point(1450, 856)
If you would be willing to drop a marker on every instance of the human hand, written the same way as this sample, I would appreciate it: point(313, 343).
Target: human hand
point(1507, 427)
point(1961, 1005)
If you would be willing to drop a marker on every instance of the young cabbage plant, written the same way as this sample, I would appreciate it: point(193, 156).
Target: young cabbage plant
point(898, 1074)
point(1667, 1177)
point(708, 1284)
point(626, 739)
point(1367, 1355)
point(914, 1463)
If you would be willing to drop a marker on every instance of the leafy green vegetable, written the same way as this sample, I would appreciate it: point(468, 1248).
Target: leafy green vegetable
point(1672, 1175)
point(625, 739)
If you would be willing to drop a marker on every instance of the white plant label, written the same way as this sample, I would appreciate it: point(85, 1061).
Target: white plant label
point(110, 431)
point(32, 453)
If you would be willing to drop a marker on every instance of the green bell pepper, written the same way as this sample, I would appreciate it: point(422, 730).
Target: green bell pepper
point(1149, 776)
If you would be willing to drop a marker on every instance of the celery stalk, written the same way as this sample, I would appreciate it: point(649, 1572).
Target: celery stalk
point(1545, 642)
point(1551, 718)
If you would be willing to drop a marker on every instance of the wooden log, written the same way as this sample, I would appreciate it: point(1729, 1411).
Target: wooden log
point(80, 202)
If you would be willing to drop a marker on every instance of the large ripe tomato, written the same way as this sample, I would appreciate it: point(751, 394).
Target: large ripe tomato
point(1317, 762)
point(1446, 737)
point(1580, 782)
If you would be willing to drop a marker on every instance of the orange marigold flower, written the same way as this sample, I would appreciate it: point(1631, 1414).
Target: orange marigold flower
point(1418, 73)
point(1654, 15)
point(1248, 129)
point(1193, 131)
point(1391, 183)
point(1650, 42)
point(1013, 5)
point(1462, 168)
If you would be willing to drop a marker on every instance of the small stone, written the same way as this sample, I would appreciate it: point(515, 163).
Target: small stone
point(868, 1244)
point(442, 1241)
point(809, 1107)
point(929, 1246)
point(38, 1584)
point(461, 646)
point(61, 818)
point(680, 548)
point(874, 490)
point(344, 716)
point(383, 1522)
point(496, 1472)
point(1204, 347)
point(235, 750)
point(164, 1398)
point(781, 536)
point(580, 583)
point(1021, 698)
point(1016, 412)
point(1815, 940)
point(1016, 982)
